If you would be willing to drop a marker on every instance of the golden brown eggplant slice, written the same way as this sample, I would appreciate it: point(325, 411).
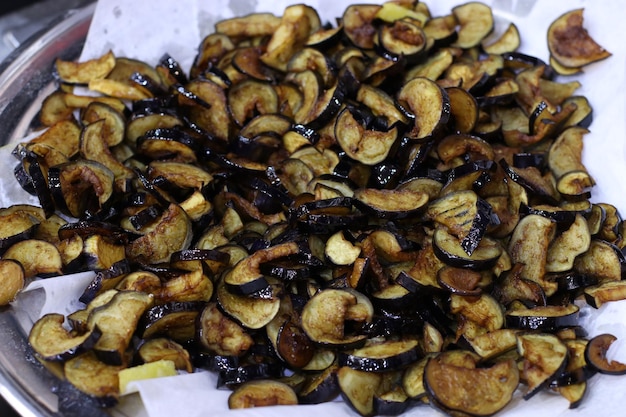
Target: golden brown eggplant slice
point(470, 390)
point(570, 44)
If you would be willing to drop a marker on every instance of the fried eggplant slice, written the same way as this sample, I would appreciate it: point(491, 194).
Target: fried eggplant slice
point(381, 357)
point(83, 72)
point(596, 355)
point(262, 393)
point(358, 389)
point(170, 233)
point(117, 321)
point(570, 44)
point(220, 335)
point(52, 342)
point(93, 377)
point(543, 318)
point(545, 356)
point(325, 315)
point(427, 103)
point(471, 390)
point(12, 279)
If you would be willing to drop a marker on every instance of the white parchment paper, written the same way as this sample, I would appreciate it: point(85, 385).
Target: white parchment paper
point(146, 30)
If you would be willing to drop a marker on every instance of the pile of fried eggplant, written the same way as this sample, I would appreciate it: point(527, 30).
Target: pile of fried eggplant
point(391, 208)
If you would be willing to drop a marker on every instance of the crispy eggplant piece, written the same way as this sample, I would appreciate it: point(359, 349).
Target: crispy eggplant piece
point(16, 226)
point(250, 98)
point(171, 232)
point(368, 146)
point(175, 320)
point(603, 260)
point(483, 310)
point(358, 389)
point(394, 204)
point(429, 118)
point(597, 295)
point(449, 250)
point(325, 315)
point(37, 257)
point(358, 24)
point(251, 311)
point(81, 186)
point(465, 215)
point(162, 348)
point(82, 72)
point(565, 160)
point(12, 279)
point(545, 356)
point(471, 390)
point(494, 343)
point(570, 44)
point(529, 246)
point(117, 320)
point(320, 387)
point(52, 342)
point(221, 335)
point(297, 23)
point(543, 318)
point(476, 22)
point(94, 378)
point(401, 39)
point(381, 357)
point(596, 355)
point(246, 278)
point(568, 245)
point(508, 41)
point(262, 393)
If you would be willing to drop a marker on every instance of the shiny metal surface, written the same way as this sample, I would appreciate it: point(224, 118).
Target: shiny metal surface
point(26, 74)
point(25, 78)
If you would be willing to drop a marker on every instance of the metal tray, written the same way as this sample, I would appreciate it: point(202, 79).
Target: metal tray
point(26, 77)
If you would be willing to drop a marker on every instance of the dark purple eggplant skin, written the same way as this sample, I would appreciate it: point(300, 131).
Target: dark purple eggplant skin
point(325, 390)
point(93, 288)
point(235, 376)
point(390, 408)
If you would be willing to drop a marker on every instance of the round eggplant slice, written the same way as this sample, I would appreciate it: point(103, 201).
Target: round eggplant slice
point(12, 279)
point(80, 186)
point(320, 387)
point(596, 355)
point(262, 393)
point(476, 21)
point(176, 320)
point(402, 38)
point(221, 335)
point(570, 44)
point(368, 146)
point(545, 357)
point(251, 98)
point(427, 103)
point(170, 233)
point(358, 24)
point(358, 389)
point(250, 312)
point(449, 250)
point(52, 342)
point(543, 318)
point(94, 378)
point(246, 278)
point(463, 108)
point(470, 390)
point(381, 357)
point(325, 315)
point(395, 204)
